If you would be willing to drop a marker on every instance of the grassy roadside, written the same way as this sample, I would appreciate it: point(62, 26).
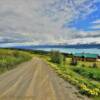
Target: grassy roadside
point(86, 85)
point(10, 58)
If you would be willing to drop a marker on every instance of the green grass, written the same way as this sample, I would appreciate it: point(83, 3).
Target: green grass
point(88, 64)
point(92, 73)
point(96, 98)
point(10, 58)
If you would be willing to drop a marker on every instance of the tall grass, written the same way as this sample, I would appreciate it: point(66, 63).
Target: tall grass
point(10, 58)
point(92, 73)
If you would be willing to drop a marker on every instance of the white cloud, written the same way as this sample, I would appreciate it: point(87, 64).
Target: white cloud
point(85, 40)
point(97, 26)
point(96, 21)
point(40, 21)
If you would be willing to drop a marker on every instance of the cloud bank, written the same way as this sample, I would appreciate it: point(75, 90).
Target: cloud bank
point(46, 21)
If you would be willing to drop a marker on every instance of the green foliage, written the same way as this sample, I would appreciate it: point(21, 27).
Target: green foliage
point(88, 72)
point(83, 65)
point(10, 58)
point(57, 57)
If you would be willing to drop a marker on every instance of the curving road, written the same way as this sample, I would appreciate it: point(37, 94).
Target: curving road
point(35, 80)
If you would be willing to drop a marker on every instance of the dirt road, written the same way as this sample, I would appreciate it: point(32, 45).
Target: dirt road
point(35, 80)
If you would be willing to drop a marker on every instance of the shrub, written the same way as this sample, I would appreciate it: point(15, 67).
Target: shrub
point(57, 57)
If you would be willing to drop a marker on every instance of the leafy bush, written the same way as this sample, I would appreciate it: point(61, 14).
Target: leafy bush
point(57, 57)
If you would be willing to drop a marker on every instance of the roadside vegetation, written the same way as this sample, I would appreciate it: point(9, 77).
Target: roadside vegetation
point(91, 73)
point(85, 76)
point(10, 58)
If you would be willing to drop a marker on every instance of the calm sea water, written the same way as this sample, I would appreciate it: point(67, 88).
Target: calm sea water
point(71, 50)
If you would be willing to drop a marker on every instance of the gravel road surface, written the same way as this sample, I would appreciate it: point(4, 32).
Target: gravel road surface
point(35, 80)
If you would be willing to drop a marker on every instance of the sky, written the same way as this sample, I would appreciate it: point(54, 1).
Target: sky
point(50, 21)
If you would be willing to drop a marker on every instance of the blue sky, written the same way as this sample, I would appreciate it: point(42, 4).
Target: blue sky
point(50, 21)
point(87, 23)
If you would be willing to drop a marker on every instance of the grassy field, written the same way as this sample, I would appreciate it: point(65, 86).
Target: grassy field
point(86, 69)
point(10, 58)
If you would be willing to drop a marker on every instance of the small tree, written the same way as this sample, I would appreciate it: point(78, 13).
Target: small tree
point(57, 57)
